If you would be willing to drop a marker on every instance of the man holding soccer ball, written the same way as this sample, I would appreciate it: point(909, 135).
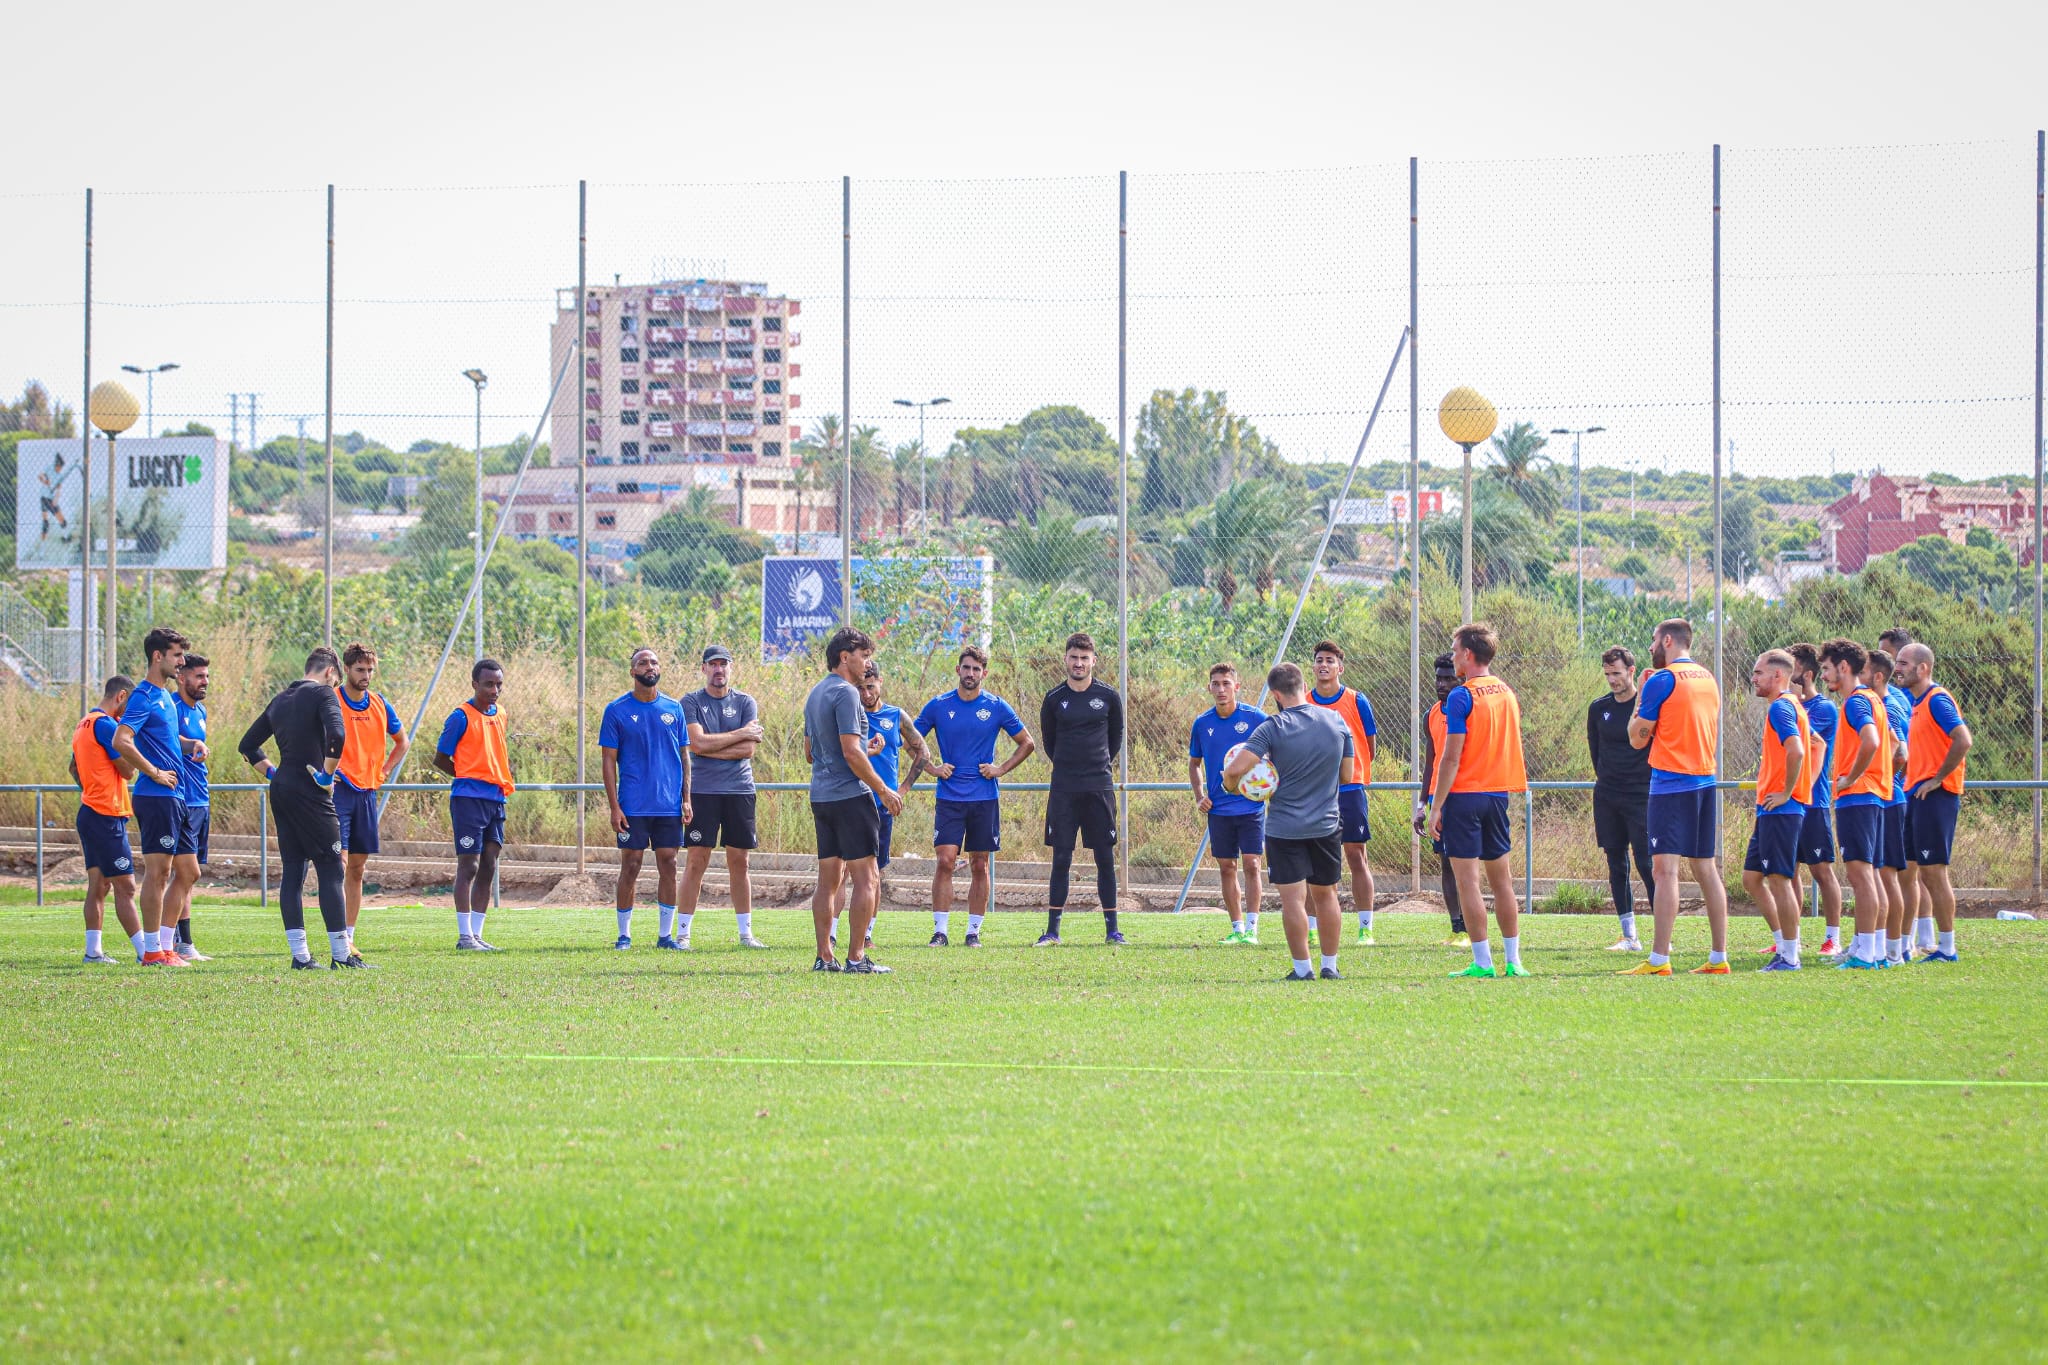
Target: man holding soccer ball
point(1311, 749)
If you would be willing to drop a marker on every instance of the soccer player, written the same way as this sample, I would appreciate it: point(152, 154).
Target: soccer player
point(1862, 777)
point(1784, 786)
point(1237, 824)
point(848, 798)
point(1435, 729)
point(195, 793)
point(1480, 767)
point(148, 738)
point(102, 822)
point(725, 729)
point(1355, 711)
point(642, 737)
point(368, 722)
point(1816, 835)
point(305, 720)
point(1621, 792)
point(472, 750)
point(1678, 719)
point(1899, 703)
point(968, 813)
point(1311, 750)
point(1939, 742)
point(1895, 874)
point(1081, 726)
point(889, 734)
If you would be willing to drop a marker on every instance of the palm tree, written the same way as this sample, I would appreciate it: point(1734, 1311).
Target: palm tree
point(1252, 527)
point(1506, 538)
point(1053, 552)
point(903, 465)
point(1526, 471)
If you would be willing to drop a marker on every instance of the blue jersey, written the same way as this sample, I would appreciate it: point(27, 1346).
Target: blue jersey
point(1213, 737)
point(103, 728)
point(153, 715)
point(966, 734)
point(649, 738)
point(1898, 710)
point(1823, 716)
point(1857, 713)
point(887, 722)
point(192, 784)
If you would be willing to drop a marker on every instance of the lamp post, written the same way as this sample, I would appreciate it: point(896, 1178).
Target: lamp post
point(476, 535)
point(923, 513)
point(1579, 503)
point(1468, 419)
point(149, 390)
point(113, 409)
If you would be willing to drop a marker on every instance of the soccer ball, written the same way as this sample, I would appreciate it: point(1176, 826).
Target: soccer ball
point(1260, 782)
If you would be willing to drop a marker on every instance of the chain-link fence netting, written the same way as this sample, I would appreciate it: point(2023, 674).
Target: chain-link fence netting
point(1876, 408)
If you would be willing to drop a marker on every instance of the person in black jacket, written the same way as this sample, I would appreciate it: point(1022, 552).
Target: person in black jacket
point(305, 720)
point(1621, 790)
point(1081, 725)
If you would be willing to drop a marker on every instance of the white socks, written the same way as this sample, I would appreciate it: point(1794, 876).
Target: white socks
point(1714, 957)
point(1482, 953)
point(337, 944)
point(683, 923)
point(1788, 948)
point(746, 919)
point(940, 918)
point(1329, 962)
point(1948, 942)
point(668, 919)
point(1923, 931)
point(463, 927)
point(1302, 967)
point(476, 923)
point(141, 942)
point(92, 942)
point(1365, 919)
point(974, 924)
point(626, 922)
point(1251, 922)
point(1895, 949)
point(1660, 959)
point(297, 939)
point(1511, 944)
point(1628, 925)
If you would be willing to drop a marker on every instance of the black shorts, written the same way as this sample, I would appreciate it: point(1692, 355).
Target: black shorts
point(849, 828)
point(303, 812)
point(1621, 821)
point(1319, 862)
point(1092, 815)
point(717, 818)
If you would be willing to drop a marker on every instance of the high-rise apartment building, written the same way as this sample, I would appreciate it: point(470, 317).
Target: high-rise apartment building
point(679, 372)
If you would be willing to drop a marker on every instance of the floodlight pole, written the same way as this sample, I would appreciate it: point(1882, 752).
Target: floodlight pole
point(85, 489)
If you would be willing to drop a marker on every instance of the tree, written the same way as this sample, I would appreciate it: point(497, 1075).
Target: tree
point(447, 506)
point(692, 547)
point(1508, 546)
point(1191, 447)
point(1252, 528)
point(34, 413)
point(1744, 516)
point(1980, 570)
point(1052, 553)
point(1521, 466)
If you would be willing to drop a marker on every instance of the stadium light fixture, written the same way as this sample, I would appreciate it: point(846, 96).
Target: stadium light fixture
point(923, 515)
point(476, 535)
point(1579, 505)
point(1468, 419)
point(149, 375)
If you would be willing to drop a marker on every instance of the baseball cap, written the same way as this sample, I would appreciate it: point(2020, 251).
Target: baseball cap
point(717, 652)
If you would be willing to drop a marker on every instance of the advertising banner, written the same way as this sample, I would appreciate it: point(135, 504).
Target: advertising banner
point(170, 502)
point(937, 602)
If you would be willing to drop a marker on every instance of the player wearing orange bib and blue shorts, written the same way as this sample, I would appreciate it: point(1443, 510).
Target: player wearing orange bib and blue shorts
point(102, 823)
point(1678, 719)
point(1351, 707)
point(1937, 744)
point(1862, 781)
point(1480, 767)
point(472, 750)
point(369, 722)
point(1784, 788)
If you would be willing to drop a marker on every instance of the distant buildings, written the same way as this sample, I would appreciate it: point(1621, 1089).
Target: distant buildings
point(1882, 513)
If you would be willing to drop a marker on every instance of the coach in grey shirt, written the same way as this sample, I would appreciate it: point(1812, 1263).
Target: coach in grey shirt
point(1308, 747)
point(833, 709)
point(846, 819)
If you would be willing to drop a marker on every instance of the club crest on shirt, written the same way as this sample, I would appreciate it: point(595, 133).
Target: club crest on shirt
point(1243, 726)
point(983, 714)
point(1094, 703)
point(730, 710)
point(885, 723)
point(666, 718)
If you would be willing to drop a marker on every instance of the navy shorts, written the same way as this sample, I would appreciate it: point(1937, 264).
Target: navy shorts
point(356, 811)
point(1860, 831)
point(103, 839)
point(1816, 837)
point(1476, 825)
point(1892, 852)
point(972, 826)
point(1352, 820)
point(193, 833)
point(652, 831)
point(477, 822)
point(1683, 823)
point(886, 834)
point(1774, 845)
point(1931, 827)
point(158, 822)
point(1237, 836)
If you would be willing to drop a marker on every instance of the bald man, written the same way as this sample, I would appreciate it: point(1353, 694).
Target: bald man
point(1937, 744)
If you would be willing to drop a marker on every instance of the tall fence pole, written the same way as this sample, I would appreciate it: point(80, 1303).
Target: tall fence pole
point(1123, 522)
point(1414, 543)
point(1720, 625)
point(84, 598)
point(2040, 235)
point(327, 519)
point(582, 514)
point(846, 508)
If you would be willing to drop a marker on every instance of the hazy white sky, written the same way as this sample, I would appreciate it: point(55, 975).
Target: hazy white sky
point(1878, 302)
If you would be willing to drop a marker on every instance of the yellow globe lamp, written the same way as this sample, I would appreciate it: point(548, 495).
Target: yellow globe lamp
point(113, 409)
point(1467, 418)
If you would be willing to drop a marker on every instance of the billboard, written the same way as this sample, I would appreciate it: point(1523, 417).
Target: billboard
point(1382, 509)
point(927, 602)
point(171, 503)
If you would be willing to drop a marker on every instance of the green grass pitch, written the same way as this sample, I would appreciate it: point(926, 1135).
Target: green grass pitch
point(1160, 1152)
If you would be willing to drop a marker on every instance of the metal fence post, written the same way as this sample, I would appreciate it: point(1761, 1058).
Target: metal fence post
point(39, 848)
point(848, 514)
point(327, 536)
point(1414, 544)
point(262, 850)
point(85, 488)
point(1123, 525)
point(582, 515)
point(1529, 851)
point(2040, 232)
point(1720, 624)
